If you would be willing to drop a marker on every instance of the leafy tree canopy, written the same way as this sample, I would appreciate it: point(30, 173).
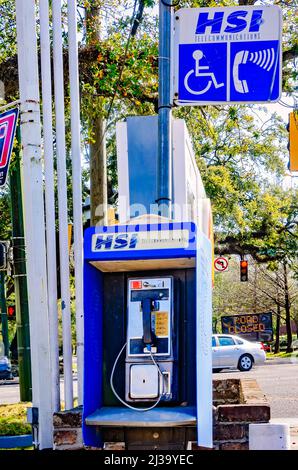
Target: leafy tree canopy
point(241, 150)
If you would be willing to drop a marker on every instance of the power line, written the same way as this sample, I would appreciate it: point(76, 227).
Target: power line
point(285, 105)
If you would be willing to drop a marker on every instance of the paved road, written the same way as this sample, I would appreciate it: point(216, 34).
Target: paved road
point(278, 379)
point(9, 390)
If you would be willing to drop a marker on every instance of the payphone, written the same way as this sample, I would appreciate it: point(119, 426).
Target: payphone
point(150, 352)
point(151, 346)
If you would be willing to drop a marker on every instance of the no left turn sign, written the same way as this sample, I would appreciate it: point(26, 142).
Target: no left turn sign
point(221, 264)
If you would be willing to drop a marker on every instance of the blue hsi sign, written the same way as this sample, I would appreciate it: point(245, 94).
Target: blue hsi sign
point(154, 239)
point(227, 55)
point(236, 21)
point(115, 241)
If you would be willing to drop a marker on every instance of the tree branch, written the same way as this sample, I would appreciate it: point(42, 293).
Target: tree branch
point(138, 18)
point(88, 56)
point(290, 54)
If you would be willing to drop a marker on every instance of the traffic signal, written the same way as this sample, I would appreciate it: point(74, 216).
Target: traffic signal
point(293, 141)
point(243, 270)
point(11, 312)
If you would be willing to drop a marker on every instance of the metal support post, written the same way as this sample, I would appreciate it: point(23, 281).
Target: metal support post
point(164, 170)
point(45, 53)
point(20, 281)
point(62, 202)
point(77, 187)
point(34, 218)
point(3, 310)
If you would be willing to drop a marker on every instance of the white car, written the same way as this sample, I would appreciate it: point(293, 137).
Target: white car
point(233, 352)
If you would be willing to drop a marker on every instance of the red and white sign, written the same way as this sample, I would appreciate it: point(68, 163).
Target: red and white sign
point(221, 264)
point(8, 121)
point(136, 284)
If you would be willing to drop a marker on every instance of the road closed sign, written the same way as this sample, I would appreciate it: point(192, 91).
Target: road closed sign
point(227, 55)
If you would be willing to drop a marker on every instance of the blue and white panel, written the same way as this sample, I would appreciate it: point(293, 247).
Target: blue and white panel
point(204, 341)
point(227, 55)
point(141, 241)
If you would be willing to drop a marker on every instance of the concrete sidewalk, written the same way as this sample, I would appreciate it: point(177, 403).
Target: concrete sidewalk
point(293, 423)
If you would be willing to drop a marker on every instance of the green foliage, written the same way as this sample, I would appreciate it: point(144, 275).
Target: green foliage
point(5, 227)
point(13, 420)
point(240, 150)
point(8, 29)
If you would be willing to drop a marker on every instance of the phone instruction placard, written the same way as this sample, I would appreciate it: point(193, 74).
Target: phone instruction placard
point(161, 320)
point(227, 55)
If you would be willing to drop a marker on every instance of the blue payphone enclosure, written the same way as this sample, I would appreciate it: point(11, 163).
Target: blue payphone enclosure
point(138, 247)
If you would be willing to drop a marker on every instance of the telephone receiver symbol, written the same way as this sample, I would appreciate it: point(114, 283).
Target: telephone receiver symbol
point(264, 59)
point(240, 85)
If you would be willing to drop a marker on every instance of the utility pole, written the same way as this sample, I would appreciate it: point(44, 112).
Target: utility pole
point(62, 201)
point(164, 159)
point(3, 310)
point(34, 219)
point(77, 188)
point(20, 278)
point(49, 176)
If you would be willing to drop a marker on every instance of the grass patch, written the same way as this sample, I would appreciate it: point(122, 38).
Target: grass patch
point(13, 419)
point(281, 354)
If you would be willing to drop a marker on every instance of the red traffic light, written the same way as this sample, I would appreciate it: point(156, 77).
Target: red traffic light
point(243, 270)
point(11, 311)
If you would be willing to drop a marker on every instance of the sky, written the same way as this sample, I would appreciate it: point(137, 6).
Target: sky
point(280, 107)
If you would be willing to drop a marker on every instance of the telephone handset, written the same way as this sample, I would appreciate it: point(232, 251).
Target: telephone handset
point(240, 85)
point(148, 305)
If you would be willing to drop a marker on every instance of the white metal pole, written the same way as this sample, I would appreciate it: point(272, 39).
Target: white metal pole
point(45, 50)
point(62, 201)
point(76, 187)
point(34, 217)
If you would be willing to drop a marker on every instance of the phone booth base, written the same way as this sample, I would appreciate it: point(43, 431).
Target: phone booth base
point(160, 429)
point(164, 369)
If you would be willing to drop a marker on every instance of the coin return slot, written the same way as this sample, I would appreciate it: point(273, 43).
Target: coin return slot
point(144, 381)
point(166, 385)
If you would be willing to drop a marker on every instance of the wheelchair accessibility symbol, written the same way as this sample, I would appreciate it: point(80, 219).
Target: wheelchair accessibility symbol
point(201, 71)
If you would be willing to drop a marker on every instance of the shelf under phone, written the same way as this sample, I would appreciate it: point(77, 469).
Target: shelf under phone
point(157, 417)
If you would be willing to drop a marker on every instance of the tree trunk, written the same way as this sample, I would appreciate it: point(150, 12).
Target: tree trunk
point(98, 161)
point(98, 175)
point(277, 329)
point(276, 346)
point(255, 308)
point(287, 309)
